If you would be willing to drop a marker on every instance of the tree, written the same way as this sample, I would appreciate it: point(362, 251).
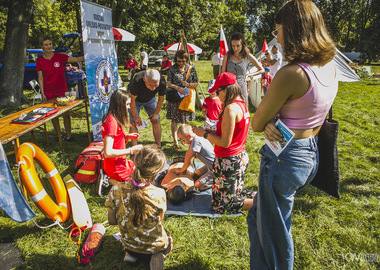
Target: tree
point(12, 74)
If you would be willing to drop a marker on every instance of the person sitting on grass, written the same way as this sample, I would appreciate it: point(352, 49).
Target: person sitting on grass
point(166, 64)
point(138, 208)
point(211, 108)
point(132, 66)
point(202, 149)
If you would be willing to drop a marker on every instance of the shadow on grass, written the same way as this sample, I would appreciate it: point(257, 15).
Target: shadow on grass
point(193, 263)
point(351, 186)
point(49, 261)
point(11, 233)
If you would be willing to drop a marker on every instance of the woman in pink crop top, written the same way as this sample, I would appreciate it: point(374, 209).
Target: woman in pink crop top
point(300, 94)
point(231, 159)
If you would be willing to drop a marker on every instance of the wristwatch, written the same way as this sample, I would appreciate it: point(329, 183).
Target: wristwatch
point(188, 85)
point(205, 135)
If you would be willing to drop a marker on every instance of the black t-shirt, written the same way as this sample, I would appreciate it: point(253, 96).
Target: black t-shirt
point(138, 88)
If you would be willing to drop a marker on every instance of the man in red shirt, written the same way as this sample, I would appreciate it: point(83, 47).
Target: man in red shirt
point(51, 78)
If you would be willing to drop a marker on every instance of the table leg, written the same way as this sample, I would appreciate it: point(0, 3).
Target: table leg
point(59, 133)
point(32, 135)
point(46, 135)
point(88, 123)
point(16, 146)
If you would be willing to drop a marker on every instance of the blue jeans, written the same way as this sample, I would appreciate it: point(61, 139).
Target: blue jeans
point(149, 107)
point(269, 219)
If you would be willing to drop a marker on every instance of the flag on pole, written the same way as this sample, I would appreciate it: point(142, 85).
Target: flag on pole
point(223, 48)
point(265, 46)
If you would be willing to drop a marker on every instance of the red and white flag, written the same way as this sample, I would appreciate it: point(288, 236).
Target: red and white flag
point(223, 48)
point(265, 46)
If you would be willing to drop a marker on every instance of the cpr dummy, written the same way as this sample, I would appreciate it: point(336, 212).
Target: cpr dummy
point(177, 186)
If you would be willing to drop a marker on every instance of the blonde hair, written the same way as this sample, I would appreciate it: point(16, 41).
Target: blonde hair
point(149, 162)
point(306, 39)
point(184, 129)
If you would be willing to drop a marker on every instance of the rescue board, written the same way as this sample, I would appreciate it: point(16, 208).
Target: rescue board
point(79, 206)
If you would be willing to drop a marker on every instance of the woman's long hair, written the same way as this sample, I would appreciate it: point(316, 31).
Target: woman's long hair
point(306, 39)
point(118, 108)
point(244, 50)
point(149, 162)
point(232, 92)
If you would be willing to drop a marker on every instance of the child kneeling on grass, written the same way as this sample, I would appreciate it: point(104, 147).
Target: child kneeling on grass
point(138, 208)
point(202, 149)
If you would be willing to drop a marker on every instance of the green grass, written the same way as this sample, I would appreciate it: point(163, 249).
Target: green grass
point(328, 233)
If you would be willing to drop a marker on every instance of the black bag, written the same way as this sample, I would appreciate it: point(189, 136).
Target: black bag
point(327, 177)
point(172, 95)
point(82, 89)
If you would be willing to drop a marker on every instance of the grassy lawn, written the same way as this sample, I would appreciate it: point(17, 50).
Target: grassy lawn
point(328, 233)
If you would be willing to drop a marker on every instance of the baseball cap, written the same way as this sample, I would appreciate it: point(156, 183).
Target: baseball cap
point(223, 79)
point(267, 69)
point(210, 84)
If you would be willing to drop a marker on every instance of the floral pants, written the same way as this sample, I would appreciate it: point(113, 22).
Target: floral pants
point(228, 183)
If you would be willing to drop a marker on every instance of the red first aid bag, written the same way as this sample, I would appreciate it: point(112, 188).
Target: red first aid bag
point(88, 163)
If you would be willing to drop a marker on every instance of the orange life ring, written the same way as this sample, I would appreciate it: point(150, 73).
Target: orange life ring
point(25, 156)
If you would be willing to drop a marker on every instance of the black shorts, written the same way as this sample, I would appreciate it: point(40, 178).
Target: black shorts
point(146, 257)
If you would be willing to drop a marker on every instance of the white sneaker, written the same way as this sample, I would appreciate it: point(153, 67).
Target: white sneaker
point(129, 258)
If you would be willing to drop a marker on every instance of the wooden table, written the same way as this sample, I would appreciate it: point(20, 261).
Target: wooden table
point(10, 132)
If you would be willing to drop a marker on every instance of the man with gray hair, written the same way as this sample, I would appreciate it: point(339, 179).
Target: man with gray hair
point(143, 89)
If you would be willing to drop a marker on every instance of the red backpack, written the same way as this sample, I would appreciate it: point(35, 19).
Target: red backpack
point(88, 163)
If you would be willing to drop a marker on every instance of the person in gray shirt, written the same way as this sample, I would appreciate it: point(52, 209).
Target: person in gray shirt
point(201, 149)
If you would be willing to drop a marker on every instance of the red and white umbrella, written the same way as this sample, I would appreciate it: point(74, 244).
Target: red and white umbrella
point(193, 49)
point(122, 35)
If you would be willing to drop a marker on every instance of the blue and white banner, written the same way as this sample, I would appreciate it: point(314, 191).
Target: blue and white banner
point(100, 60)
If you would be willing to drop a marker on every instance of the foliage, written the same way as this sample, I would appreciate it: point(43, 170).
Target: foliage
point(49, 20)
point(328, 233)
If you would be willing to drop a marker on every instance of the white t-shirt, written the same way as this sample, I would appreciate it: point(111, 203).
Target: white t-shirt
point(145, 55)
point(217, 60)
point(274, 68)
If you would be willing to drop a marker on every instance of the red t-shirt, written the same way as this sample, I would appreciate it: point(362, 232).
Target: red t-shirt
point(267, 79)
point(131, 64)
point(238, 138)
point(54, 74)
point(166, 64)
point(118, 168)
point(213, 106)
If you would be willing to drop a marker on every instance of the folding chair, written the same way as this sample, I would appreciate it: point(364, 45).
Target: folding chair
point(37, 90)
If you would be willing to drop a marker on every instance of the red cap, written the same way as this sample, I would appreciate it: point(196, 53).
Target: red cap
point(223, 79)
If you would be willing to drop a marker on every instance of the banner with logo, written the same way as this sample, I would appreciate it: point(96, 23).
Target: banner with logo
point(100, 60)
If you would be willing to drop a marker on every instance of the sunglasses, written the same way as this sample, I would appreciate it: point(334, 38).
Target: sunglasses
point(220, 89)
point(275, 32)
point(181, 61)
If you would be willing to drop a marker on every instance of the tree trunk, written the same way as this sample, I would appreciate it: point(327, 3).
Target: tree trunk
point(16, 41)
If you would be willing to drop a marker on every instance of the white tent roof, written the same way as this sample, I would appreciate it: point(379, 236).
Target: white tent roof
point(345, 72)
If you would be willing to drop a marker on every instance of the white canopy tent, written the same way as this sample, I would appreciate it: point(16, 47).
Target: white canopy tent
point(345, 72)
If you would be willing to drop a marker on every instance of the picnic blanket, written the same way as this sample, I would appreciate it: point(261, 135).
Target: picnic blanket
point(11, 200)
point(199, 205)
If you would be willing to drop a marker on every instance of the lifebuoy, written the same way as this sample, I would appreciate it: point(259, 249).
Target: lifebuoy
point(25, 156)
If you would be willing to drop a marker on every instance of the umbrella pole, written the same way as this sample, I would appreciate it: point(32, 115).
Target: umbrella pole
point(183, 41)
